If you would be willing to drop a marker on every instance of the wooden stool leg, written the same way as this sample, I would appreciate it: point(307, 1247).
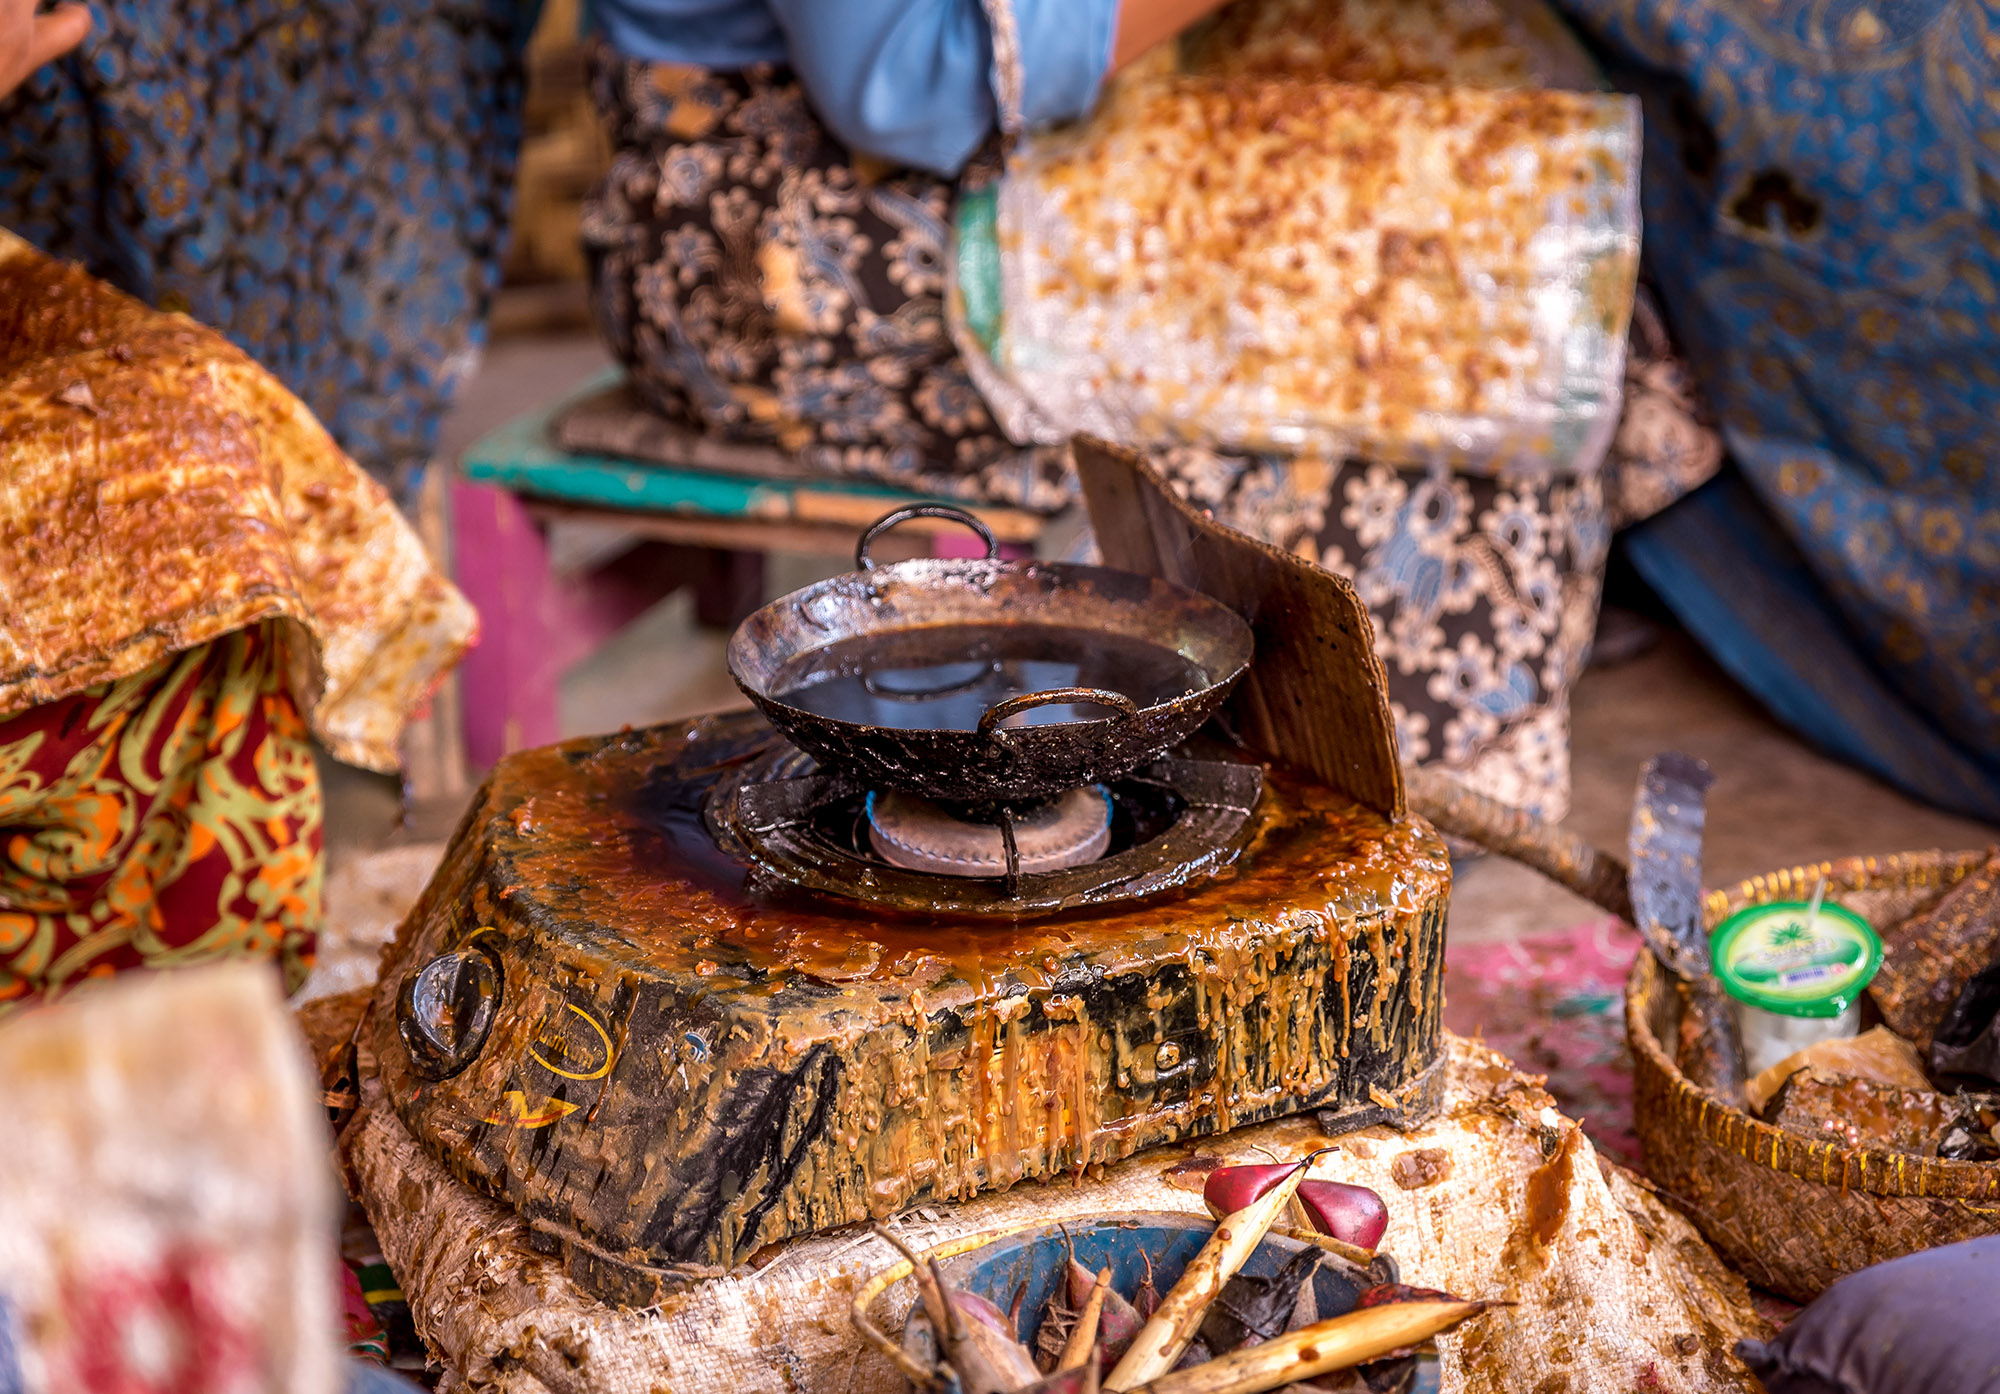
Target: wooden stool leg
point(728, 586)
point(509, 681)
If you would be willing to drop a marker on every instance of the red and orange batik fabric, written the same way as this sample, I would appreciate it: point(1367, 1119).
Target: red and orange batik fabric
point(163, 818)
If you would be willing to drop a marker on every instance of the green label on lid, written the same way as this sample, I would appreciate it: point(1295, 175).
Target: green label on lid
point(1771, 957)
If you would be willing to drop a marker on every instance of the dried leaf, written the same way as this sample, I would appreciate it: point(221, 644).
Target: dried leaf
point(1192, 1174)
point(1250, 1309)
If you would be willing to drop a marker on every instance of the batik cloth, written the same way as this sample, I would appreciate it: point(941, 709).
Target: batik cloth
point(1483, 590)
point(158, 491)
point(165, 818)
point(761, 285)
point(764, 287)
point(1821, 220)
point(328, 184)
point(1483, 586)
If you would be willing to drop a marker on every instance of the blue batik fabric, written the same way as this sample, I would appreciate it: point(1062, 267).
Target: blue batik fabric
point(1823, 218)
point(326, 183)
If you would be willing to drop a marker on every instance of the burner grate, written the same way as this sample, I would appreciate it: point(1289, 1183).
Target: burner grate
point(1176, 822)
point(918, 835)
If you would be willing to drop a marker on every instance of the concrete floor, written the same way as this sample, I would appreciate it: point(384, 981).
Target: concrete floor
point(1776, 802)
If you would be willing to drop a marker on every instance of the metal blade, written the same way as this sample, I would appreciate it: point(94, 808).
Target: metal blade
point(1667, 817)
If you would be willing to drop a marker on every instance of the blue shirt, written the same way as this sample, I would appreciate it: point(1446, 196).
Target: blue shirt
point(906, 80)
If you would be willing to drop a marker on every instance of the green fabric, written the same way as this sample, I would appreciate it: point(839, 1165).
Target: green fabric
point(979, 265)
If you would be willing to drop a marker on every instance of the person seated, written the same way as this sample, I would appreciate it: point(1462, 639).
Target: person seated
point(194, 581)
point(767, 254)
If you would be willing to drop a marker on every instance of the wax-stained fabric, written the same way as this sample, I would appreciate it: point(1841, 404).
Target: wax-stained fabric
point(159, 490)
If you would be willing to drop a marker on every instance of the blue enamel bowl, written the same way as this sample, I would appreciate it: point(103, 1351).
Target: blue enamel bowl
point(1032, 1263)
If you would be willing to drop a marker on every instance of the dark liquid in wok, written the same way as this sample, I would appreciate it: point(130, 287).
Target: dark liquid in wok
point(944, 677)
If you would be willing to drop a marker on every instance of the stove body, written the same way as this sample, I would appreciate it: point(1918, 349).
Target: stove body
point(680, 1046)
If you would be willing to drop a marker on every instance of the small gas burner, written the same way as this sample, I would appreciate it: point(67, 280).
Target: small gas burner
point(1174, 823)
point(919, 835)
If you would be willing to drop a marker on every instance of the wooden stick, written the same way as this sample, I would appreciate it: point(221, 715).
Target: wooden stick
point(1558, 854)
point(1083, 1336)
point(953, 1331)
point(980, 1369)
point(928, 1287)
point(1355, 1255)
point(977, 1372)
point(1334, 1344)
point(928, 1379)
point(1167, 1332)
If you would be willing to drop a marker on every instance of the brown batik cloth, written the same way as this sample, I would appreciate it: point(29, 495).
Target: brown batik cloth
point(762, 286)
point(1667, 444)
point(1483, 591)
point(1483, 585)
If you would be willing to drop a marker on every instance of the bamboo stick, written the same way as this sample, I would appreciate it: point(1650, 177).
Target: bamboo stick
point(976, 1370)
point(1167, 1332)
point(1334, 1344)
point(1083, 1337)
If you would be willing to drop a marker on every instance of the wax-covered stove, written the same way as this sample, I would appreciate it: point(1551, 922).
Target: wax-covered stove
point(681, 993)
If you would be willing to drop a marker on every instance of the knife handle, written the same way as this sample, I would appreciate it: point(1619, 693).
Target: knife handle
point(1709, 1052)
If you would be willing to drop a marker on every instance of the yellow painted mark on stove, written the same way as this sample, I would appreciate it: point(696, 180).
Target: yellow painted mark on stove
point(519, 1114)
point(560, 1044)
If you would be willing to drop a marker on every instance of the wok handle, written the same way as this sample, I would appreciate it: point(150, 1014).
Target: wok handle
point(922, 510)
point(1124, 707)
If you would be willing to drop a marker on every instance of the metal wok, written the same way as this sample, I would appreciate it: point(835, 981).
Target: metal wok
point(1001, 759)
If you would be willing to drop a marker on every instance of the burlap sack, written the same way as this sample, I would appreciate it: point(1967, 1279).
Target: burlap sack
point(1615, 1291)
point(166, 1207)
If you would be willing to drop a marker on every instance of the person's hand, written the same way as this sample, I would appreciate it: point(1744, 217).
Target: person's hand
point(28, 40)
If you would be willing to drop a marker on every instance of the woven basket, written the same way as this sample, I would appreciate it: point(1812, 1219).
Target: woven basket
point(1792, 1213)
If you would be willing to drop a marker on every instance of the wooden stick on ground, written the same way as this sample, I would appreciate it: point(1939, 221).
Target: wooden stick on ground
point(1083, 1337)
point(918, 1375)
point(1167, 1332)
point(1334, 1344)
